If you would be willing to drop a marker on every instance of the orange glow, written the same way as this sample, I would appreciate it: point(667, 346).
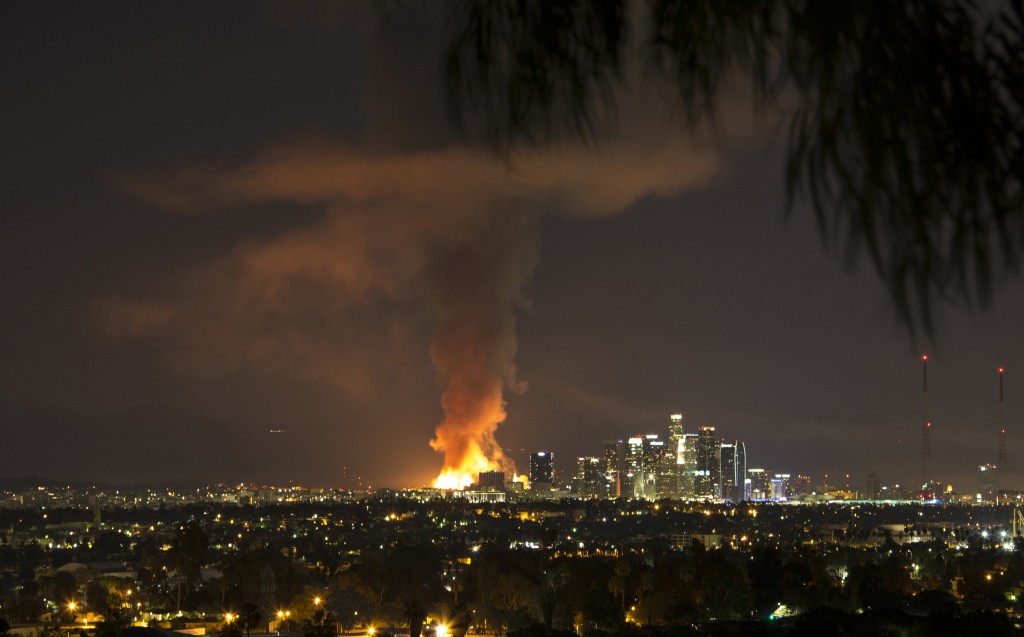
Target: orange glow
point(474, 346)
point(466, 437)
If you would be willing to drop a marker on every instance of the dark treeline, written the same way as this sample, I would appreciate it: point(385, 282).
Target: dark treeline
point(582, 568)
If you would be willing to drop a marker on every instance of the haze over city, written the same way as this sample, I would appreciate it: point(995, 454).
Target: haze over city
point(238, 244)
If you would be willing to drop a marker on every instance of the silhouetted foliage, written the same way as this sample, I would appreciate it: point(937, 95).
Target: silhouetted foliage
point(905, 119)
point(321, 624)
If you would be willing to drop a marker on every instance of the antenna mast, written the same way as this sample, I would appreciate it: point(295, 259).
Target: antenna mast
point(926, 440)
point(1001, 457)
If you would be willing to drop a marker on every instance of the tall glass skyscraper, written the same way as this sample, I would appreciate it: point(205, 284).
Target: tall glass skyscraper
point(708, 476)
point(542, 469)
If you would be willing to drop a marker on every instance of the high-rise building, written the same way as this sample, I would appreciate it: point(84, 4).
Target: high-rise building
point(988, 483)
point(708, 475)
point(588, 482)
point(491, 481)
point(542, 470)
point(760, 484)
point(688, 468)
point(666, 479)
point(671, 482)
point(874, 487)
point(735, 485)
point(675, 436)
point(613, 456)
point(801, 486)
point(742, 478)
point(727, 462)
point(781, 488)
point(644, 463)
point(654, 461)
point(633, 477)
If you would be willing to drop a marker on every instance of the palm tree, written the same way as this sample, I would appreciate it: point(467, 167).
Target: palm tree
point(415, 613)
point(321, 624)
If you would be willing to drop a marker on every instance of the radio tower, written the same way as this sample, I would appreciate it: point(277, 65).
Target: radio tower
point(1001, 457)
point(926, 440)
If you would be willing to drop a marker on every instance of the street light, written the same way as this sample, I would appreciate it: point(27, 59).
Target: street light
point(229, 617)
point(317, 601)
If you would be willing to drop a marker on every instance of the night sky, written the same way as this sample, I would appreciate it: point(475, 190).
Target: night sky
point(220, 219)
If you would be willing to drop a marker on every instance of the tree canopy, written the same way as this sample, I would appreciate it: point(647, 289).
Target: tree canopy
point(904, 120)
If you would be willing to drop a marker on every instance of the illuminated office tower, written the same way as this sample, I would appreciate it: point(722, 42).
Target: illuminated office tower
point(688, 468)
point(760, 484)
point(644, 460)
point(588, 482)
point(542, 470)
point(801, 486)
point(670, 483)
point(742, 478)
point(988, 483)
point(666, 470)
point(781, 488)
point(613, 456)
point(654, 463)
point(654, 456)
point(727, 462)
point(633, 478)
point(675, 437)
point(708, 475)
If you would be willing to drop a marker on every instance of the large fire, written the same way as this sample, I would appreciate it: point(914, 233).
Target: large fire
point(466, 437)
point(474, 345)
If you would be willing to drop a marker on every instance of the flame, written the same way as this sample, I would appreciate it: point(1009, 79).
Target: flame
point(466, 437)
point(475, 343)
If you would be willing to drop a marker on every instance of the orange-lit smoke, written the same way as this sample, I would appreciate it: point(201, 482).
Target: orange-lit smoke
point(475, 343)
point(452, 231)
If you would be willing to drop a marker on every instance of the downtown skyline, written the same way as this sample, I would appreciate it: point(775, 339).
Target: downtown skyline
point(691, 293)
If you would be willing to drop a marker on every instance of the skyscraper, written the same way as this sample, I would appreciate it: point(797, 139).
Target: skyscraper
point(988, 483)
point(675, 436)
point(670, 479)
point(874, 487)
point(688, 469)
point(742, 478)
point(760, 484)
point(588, 482)
point(613, 456)
point(727, 462)
point(542, 470)
point(645, 457)
point(633, 478)
point(709, 471)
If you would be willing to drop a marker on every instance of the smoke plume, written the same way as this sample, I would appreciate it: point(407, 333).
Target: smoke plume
point(449, 236)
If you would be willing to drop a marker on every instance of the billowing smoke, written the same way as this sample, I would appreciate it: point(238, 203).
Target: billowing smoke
point(449, 234)
point(475, 344)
